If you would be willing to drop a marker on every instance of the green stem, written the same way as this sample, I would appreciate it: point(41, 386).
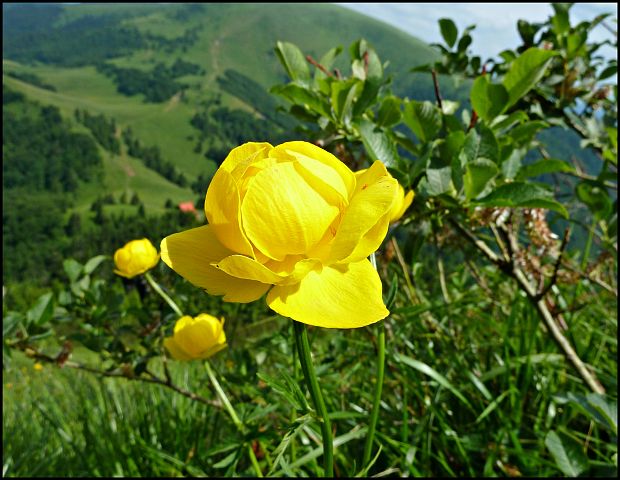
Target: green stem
point(163, 294)
point(233, 415)
point(586, 250)
point(374, 415)
point(303, 347)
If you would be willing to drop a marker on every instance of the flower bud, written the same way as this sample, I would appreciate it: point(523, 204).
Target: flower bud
point(194, 338)
point(135, 258)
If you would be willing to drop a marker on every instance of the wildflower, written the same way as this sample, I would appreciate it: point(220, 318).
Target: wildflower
point(195, 338)
point(38, 367)
point(293, 221)
point(135, 258)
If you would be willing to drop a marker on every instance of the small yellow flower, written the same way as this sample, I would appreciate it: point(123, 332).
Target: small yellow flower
point(135, 258)
point(195, 338)
point(38, 367)
point(295, 222)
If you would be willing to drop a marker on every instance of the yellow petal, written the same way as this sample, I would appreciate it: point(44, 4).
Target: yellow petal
point(191, 253)
point(340, 296)
point(223, 213)
point(293, 268)
point(244, 155)
point(174, 349)
point(282, 214)
point(309, 154)
point(245, 267)
point(364, 216)
point(403, 203)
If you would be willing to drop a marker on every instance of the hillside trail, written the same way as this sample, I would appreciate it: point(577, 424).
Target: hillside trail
point(173, 102)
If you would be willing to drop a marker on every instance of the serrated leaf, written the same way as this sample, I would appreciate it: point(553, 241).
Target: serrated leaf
point(567, 453)
point(423, 118)
point(449, 32)
point(525, 72)
point(521, 194)
point(378, 144)
point(293, 61)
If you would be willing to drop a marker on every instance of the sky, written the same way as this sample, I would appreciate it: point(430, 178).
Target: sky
point(496, 22)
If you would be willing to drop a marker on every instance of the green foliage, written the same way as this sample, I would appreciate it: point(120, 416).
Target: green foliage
point(474, 386)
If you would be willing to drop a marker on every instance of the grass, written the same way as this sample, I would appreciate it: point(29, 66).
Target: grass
point(472, 388)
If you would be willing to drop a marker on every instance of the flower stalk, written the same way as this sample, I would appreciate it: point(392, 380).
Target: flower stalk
point(163, 294)
point(305, 359)
point(376, 405)
point(233, 415)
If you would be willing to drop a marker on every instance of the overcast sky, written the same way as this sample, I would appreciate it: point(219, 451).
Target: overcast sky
point(496, 22)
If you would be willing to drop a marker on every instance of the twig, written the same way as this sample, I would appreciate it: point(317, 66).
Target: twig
point(319, 66)
point(512, 269)
point(116, 374)
point(556, 267)
point(582, 274)
point(436, 85)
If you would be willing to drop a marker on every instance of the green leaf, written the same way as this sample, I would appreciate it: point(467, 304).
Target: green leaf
point(449, 32)
point(293, 61)
point(567, 453)
point(521, 194)
point(378, 144)
point(512, 165)
point(478, 174)
point(523, 134)
point(42, 310)
point(423, 118)
point(595, 197)
point(72, 268)
point(342, 96)
point(428, 371)
point(438, 177)
point(389, 112)
point(327, 61)
point(303, 96)
point(93, 263)
point(483, 144)
point(525, 72)
point(549, 165)
point(488, 99)
point(560, 21)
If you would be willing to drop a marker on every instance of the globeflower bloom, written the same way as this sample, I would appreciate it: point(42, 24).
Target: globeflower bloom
point(135, 258)
point(294, 222)
point(195, 338)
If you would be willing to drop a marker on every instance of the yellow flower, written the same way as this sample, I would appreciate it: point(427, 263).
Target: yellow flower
point(135, 257)
point(294, 221)
point(402, 202)
point(38, 367)
point(195, 338)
